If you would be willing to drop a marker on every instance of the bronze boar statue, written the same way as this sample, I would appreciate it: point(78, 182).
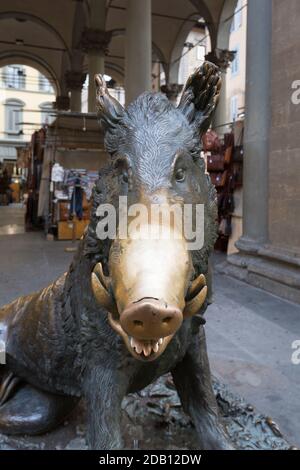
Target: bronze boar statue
point(128, 310)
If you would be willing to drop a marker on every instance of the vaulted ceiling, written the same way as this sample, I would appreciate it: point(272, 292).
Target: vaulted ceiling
point(46, 35)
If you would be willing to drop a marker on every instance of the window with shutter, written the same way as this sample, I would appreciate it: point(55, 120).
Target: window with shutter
point(13, 116)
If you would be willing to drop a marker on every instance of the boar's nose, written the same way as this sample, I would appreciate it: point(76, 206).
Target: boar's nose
point(150, 318)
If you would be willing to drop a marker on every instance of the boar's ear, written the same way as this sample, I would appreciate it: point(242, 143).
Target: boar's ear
point(109, 110)
point(200, 96)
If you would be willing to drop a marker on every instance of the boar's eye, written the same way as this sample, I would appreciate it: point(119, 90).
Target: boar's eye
point(180, 175)
point(122, 166)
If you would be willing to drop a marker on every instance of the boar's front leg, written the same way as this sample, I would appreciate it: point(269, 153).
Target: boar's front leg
point(193, 382)
point(104, 391)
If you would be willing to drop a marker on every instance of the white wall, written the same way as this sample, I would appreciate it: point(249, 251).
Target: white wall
point(26, 90)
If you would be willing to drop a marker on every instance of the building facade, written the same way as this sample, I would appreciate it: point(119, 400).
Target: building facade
point(236, 73)
point(26, 104)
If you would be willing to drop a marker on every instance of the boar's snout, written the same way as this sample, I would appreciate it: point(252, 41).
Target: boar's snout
point(151, 318)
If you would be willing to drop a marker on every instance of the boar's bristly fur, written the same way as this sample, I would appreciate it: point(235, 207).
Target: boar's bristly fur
point(60, 345)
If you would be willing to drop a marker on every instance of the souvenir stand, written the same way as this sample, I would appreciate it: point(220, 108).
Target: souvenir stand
point(73, 155)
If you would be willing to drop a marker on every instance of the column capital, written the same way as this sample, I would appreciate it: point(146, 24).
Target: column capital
point(95, 40)
point(74, 80)
point(62, 103)
point(221, 57)
point(171, 90)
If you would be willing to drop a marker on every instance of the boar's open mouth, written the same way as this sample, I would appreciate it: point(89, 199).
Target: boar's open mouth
point(144, 350)
point(151, 348)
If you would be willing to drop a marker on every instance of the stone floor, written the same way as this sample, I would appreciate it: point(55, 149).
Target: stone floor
point(250, 332)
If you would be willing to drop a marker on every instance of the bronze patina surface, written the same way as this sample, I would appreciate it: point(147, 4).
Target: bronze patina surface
point(127, 311)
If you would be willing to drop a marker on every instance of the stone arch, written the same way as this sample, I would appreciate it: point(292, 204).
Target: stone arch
point(223, 35)
point(32, 60)
point(37, 20)
point(205, 13)
point(116, 71)
point(155, 49)
point(225, 23)
point(160, 57)
point(173, 66)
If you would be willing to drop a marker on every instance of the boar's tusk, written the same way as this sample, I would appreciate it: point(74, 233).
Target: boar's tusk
point(196, 286)
point(193, 306)
point(102, 295)
point(105, 280)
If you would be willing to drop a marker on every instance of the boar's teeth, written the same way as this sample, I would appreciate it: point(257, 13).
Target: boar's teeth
point(136, 345)
point(147, 349)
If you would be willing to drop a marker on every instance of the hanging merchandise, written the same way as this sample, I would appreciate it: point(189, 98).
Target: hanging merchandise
point(71, 202)
point(76, 200)
point(57, 173)
point(238, 157)
point(238, 153)
point(211, 141)
point(215, 162)
point(218, 154)
point(219, 179)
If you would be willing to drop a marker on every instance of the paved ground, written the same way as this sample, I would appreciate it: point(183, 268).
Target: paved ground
point(249, 331)
point(250, 335)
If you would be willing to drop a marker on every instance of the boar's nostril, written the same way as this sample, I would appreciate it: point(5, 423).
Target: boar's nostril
point(150, 319)
point(145, 298)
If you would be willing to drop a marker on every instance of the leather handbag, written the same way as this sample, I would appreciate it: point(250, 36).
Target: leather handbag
point(238, 152)
point(211, 141)
point(229, 139)
point(228, 155)
point(238, 174)
point(227, 204)
point(225, 228)
point(215, 162)
point(219, 179)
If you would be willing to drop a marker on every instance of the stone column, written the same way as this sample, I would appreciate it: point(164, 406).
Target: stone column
point(95, 43)
point(269, 255)
point(138, 49)
point(257, 125)
point(222, 58)
point(172, 91)
point(74, 83)
point(62, 103)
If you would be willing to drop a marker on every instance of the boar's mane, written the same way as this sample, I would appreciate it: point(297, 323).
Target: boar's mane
point(155, 113)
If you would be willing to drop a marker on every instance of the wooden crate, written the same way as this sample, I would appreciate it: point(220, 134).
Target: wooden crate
point(65, 229)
